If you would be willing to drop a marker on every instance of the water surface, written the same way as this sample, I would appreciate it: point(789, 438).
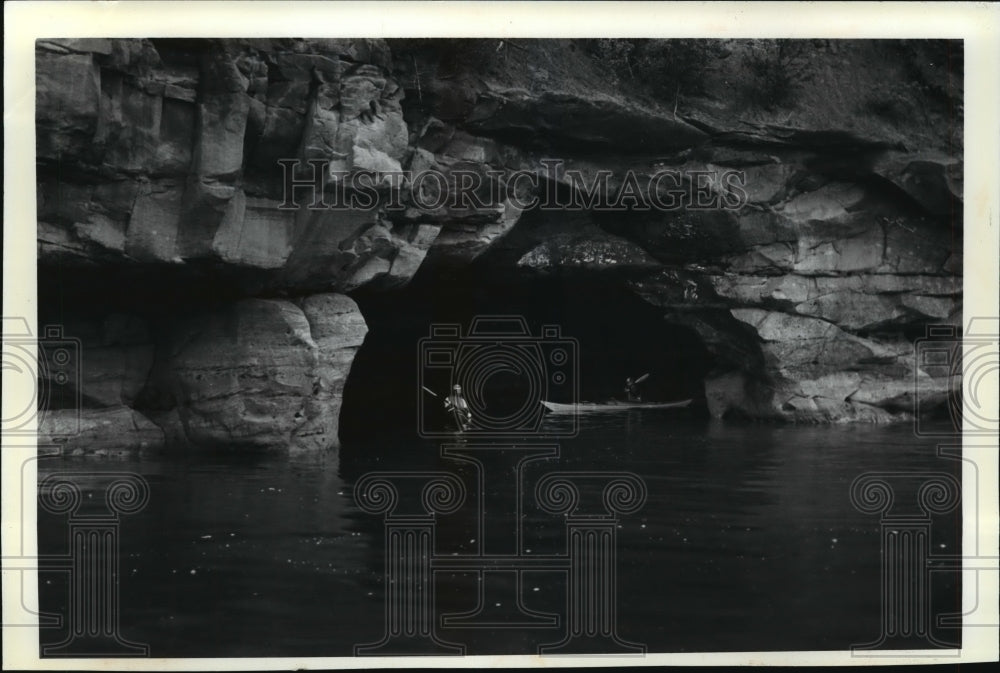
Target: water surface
point(748, 540)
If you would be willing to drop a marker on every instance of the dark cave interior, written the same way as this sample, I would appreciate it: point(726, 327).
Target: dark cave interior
point(614, 333)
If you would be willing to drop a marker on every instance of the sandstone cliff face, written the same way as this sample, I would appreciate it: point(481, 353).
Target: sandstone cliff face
point(261, 373)
point(848, 241)
point(253, 374)
point(167, 154)
point(159, 159)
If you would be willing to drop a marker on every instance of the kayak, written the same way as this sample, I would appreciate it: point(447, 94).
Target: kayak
point(589, 407)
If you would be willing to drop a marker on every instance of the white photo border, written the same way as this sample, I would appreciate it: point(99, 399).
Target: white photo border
point(978, 24)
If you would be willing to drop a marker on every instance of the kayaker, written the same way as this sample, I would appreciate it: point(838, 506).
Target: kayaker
point(459, 408)
point(632, 391)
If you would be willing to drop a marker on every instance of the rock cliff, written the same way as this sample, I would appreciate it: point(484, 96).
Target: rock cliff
point(807, 275)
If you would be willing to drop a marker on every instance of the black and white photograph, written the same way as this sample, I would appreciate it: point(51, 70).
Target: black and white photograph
point(370, 347)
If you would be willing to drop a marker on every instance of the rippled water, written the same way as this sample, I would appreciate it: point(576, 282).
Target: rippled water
point(748, 540)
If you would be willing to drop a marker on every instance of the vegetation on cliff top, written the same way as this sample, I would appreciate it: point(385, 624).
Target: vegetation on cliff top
point(894, 90)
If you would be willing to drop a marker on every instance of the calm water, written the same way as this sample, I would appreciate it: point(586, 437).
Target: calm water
point(748, 541)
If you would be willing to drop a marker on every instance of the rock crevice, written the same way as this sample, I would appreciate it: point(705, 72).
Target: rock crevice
point(159, 159)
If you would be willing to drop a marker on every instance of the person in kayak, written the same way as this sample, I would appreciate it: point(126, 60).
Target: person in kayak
point(459, 408)
point(632, 391)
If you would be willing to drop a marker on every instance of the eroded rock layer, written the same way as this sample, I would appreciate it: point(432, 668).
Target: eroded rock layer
point(807, 277)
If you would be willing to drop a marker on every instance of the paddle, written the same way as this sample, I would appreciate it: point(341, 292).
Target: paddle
point(631, 393)
point(462, 416)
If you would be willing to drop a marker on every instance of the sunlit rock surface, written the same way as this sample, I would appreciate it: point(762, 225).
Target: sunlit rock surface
point(174, 147)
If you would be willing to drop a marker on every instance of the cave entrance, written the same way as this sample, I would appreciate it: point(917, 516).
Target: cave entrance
point(618, 335)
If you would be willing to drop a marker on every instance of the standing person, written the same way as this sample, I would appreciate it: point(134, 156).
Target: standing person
point(459, 408)
point(631, 391)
